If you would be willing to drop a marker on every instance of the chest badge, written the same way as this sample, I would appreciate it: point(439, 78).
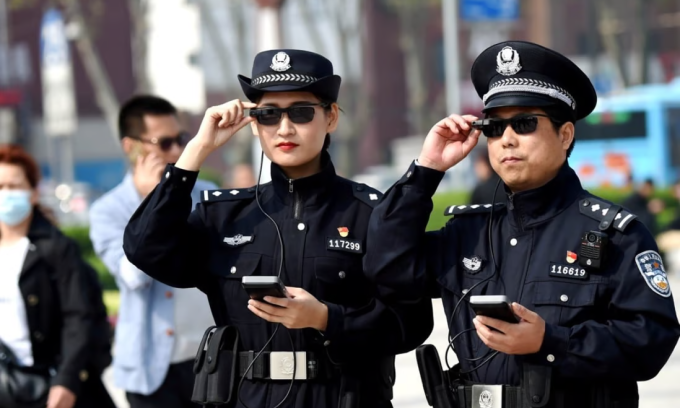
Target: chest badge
point(238, 240)
point(571, 257)
point(472, 264)
point(651, 267)
point(343, 231)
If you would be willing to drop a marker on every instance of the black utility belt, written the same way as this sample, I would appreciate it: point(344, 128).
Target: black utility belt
point(279, 365)
point(489, 396)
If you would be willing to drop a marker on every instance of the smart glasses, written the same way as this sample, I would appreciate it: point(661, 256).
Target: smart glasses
point(521, 124)
point(298, 114)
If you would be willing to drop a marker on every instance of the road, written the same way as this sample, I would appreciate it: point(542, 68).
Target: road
point(662, 391)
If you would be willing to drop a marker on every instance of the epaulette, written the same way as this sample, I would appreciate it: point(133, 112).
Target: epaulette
point(367, 194)
point(472, 209)
point(599, 210)
point(210, 196)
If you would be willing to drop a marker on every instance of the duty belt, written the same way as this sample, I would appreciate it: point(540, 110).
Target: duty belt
point(279, 365)
point(489, 396)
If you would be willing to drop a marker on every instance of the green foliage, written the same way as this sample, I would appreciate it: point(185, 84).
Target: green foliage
point(82, 237)
point(209, 174)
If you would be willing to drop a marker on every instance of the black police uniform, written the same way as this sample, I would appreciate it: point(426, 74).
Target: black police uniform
point(606, 328)
point(323, 220)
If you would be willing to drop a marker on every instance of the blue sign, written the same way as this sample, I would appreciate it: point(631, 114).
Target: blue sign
point(54, 49)
point(489, 10)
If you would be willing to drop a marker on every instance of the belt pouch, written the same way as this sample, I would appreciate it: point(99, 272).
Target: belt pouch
point(221, 361)
point(199, 394)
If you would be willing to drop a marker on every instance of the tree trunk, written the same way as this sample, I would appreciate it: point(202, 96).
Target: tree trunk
point(608, 31)
point(138, 12)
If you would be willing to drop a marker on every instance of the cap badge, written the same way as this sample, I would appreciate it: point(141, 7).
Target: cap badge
point(507, 62)
point(280, 62)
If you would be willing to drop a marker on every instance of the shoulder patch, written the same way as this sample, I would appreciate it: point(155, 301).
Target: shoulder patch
point(599, 210)
point(367, 194)
point(472, 209)
point(209, 196)
point(651, 267)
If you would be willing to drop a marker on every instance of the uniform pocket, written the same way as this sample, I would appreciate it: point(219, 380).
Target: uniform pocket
point(565, 303)
point(235, 296)
point(339, 280)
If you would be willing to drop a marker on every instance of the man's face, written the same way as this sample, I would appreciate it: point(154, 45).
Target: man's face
point(528, 161)
point(161, 137)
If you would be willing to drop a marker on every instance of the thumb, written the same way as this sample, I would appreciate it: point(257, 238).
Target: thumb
point(524, 313)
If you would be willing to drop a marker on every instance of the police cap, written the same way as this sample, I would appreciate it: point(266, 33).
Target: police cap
point(519, 73)
point(286, 70)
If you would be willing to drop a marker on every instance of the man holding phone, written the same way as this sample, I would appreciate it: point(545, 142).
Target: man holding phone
point(583, 276)
point(159, 328)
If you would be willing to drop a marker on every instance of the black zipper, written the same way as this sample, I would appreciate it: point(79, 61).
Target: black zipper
point(297, 204)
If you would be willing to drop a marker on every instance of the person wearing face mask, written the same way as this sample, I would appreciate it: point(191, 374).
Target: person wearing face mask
point(54, 324)
point(589, 310)
point(329, 343)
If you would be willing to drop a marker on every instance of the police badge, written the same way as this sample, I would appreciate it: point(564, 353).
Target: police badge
point(651, 267)
point(507, 62)
point(280, 62)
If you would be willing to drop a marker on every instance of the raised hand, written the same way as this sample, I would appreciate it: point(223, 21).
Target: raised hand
point(448, 142)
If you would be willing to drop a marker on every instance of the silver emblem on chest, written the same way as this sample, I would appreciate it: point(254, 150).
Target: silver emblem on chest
point(238, 240)
point(507, 62)
point(472, 264)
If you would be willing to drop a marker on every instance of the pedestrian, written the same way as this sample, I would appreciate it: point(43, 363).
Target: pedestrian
point(338, 343)
point(54, 336)
point(159, 327)
point(582, 276)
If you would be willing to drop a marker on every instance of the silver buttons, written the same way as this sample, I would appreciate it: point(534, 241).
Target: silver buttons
point(551, 358)
point(408, 174)
point(327, 343)
point(167, 175)
point(184, 179)
point(342, 274)
point(513, 241)
point(465, 291)
point(233, 269)
point(301, 226)
point(564, 298)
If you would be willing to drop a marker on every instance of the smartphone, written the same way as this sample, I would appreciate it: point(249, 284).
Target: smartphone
point(135, 152)
point(260, 286)
point(497, 307)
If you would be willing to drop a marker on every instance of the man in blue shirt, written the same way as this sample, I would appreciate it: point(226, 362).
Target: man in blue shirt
point(159, 327)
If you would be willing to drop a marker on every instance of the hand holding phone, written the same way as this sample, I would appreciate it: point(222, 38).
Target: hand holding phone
point(496, 307)
point(260, 286)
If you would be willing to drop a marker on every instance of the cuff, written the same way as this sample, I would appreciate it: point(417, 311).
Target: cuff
point(554, 348)
point(423, 178)
point(334, 325)
point(178, 178)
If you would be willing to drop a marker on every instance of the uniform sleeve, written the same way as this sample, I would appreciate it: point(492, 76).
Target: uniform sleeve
point(380, 328)
point(404, 260)
point(164, 238)
point(636, 337)
point(78, 321)
point(107, 225)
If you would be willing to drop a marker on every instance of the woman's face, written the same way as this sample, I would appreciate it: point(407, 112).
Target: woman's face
point(291, 144)
point(17, 197)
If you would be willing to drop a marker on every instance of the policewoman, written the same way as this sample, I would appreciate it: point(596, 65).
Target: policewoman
point(583, 275)
point(307, 226)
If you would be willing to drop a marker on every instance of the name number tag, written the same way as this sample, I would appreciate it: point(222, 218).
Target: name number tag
point(347, 245)
point(565, 271)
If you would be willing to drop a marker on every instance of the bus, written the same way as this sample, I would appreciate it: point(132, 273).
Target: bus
point(630, 137)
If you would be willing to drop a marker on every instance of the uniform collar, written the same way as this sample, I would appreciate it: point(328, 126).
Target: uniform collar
point(532, 207)
point(311, 189)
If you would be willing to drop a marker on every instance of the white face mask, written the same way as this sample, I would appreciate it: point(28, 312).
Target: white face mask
point(15, 206)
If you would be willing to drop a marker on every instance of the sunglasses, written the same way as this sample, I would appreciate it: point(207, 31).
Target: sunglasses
point(165, 143)
point(521, 124)
point(297, 114)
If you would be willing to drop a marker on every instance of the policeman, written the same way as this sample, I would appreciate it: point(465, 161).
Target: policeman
point(596, 317)
point(308, 226)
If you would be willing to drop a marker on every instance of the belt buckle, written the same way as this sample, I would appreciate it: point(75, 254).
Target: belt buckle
point(487, 396)
point(281, 365)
